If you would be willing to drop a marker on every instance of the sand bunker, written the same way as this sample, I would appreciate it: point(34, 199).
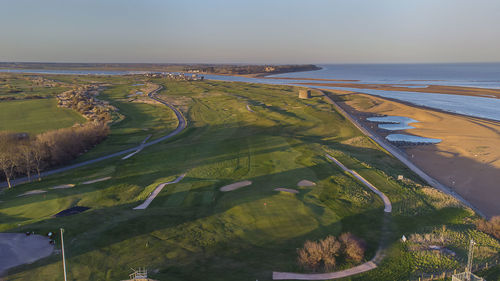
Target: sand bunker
point(32, 192)
point(234, 186)
point(96, 180)
point(306, 183)
point(63, 186)
point(294, 191)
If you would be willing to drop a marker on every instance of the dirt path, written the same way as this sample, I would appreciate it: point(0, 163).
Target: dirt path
point(157, 191)
point(367, 266)
point(17, 249)
point(181, 126)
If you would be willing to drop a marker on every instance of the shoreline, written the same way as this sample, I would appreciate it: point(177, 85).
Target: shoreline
point(466, 161)
point(435, 89)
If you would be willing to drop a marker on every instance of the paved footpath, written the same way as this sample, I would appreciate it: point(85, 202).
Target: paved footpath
point(157, 191)
point(180, 126)
point(367, 266)
point(385, 199)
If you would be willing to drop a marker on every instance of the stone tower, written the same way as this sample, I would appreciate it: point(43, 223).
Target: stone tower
point(304, 94)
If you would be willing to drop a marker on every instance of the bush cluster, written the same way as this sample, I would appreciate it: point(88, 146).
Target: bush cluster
point(491, 227)
point(324, 254)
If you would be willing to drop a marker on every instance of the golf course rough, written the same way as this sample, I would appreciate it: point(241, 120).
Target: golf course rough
point(194, 231)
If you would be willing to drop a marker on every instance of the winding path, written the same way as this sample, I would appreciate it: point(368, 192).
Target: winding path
point(367, 266)
point(385, 199)
point(181, 126)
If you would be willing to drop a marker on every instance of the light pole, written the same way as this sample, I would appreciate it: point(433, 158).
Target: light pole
point(63, 258)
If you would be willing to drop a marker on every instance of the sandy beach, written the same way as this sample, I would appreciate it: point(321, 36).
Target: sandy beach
point(467, 159)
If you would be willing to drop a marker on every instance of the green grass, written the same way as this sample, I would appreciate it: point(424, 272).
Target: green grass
point(192, 231)
point(36, 116)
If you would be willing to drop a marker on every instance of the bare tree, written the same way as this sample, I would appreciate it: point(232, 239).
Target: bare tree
point(354, 248)
point(26, 162)
point(320, 254)
point(40, 152)
point(8, 159)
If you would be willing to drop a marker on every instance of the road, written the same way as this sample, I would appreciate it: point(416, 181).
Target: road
point(367, 266)
point(182, 123)
point(402, 157)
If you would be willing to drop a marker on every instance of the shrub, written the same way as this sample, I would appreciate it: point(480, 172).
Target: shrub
point(491, 227)
point(323, 254)
point(320, 254)
point(353, 247)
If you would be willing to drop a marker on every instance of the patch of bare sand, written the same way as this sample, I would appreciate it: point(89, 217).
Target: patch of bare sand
point(306, 183)
point(294, 191)
point(468, 158)
point(32, 192)
point(96, 180)
point(234, 186)
point(63, 186)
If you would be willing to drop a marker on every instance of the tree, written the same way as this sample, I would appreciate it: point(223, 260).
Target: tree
point(8, 156)
point(26, 162)
point(40, 153)
point(319, 254)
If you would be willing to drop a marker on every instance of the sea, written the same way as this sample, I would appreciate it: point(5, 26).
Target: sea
point(478, 75)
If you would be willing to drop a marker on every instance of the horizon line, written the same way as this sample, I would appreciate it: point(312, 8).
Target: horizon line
point(247, 63)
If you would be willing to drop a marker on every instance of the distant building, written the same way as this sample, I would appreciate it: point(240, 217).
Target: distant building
point(305, 94)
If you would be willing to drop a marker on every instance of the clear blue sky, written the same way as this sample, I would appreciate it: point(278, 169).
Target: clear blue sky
point(252, 31)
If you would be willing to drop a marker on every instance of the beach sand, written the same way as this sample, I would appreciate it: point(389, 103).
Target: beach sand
point(468, 158)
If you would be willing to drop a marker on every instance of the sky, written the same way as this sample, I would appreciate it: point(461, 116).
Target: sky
point(252, 31)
